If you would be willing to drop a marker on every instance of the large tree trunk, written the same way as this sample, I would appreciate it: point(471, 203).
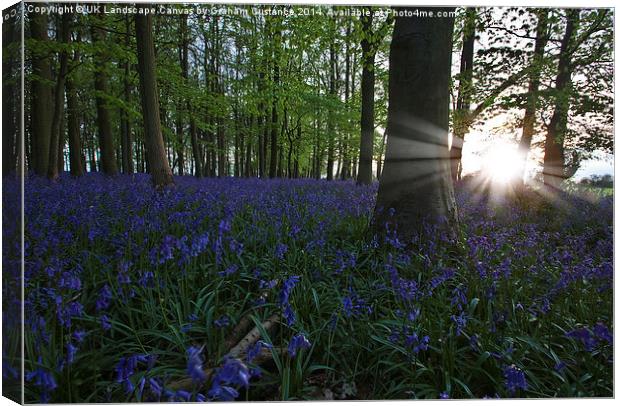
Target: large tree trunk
point(364, 175)
point(106, 140)
point(157, 162)
point(63, 36)
point(465, 91)
point(529, 118)
point(416, 180)
point(41, 114)
point(554, 160)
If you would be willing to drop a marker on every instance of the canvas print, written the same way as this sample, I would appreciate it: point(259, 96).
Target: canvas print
point(265, 202)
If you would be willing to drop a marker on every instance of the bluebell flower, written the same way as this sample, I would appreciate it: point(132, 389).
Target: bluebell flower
point(183, 395)
point(105, 322)
point(353, 305)
point(287, 288)
point(222, 322)
point(79, 335)
point(267, 284)
point(42, 378)
point(224, 393)
point(515, 379)
point(602, 333)
point(105, 295)
point(585, 336)
point(280, 250)
point(460, 321)
point(194, 364)
point(71, 350)
point(229, 271)
point(289, 315)
point(297, 342)
point(70, 281)
point(234, 372)
point(147, 279)
point(255, 350)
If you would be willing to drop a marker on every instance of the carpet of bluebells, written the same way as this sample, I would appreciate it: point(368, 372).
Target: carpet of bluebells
point(129, 290)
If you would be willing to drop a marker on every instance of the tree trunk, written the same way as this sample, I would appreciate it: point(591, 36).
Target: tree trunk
point(330, 115)
point(465, 91)
point(364, 175)
point(126, 139)
point(554, 160)
point(157, 162)
point(529, 118)
point(61, 144)
point(73, 127)
point(184, 59)
point(346, 158)
point(106, 140)
point(380, 160)
point(63, 36)
point(247, 171)
point(273, 163)
point(41, 109)
point(416, 181)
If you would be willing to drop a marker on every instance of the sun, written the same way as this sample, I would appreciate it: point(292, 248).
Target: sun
point(501, 163)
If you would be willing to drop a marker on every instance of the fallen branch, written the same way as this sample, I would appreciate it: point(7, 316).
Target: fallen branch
point(238, 332)
point(252, 337)
point(239, 351)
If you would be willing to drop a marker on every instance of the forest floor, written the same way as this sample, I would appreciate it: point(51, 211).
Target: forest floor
point(138, 295)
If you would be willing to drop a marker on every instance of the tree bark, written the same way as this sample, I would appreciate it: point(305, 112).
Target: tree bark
point(73, 126)
point(554, 160)
point(465, 92)
point(63, 35)
point(273, 163)
point(126, 139)
point(364, 175)
point(41, 114)
point(346, 158)
point(158, 164)
point(529, 118)
point(416, 181)
point(106, 140)
point(330, 114)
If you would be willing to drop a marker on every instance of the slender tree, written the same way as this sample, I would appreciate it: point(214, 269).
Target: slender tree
point(529, 118)
point(76, 164)
point(277, 38)
point(554, 168)
point(63, 37)
point(158, 163)
point(126, 137)
point(364, 175)
point(106, 140)
point(330, 114)
point(465, 92)
point(416, 184)
point(42, 108)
